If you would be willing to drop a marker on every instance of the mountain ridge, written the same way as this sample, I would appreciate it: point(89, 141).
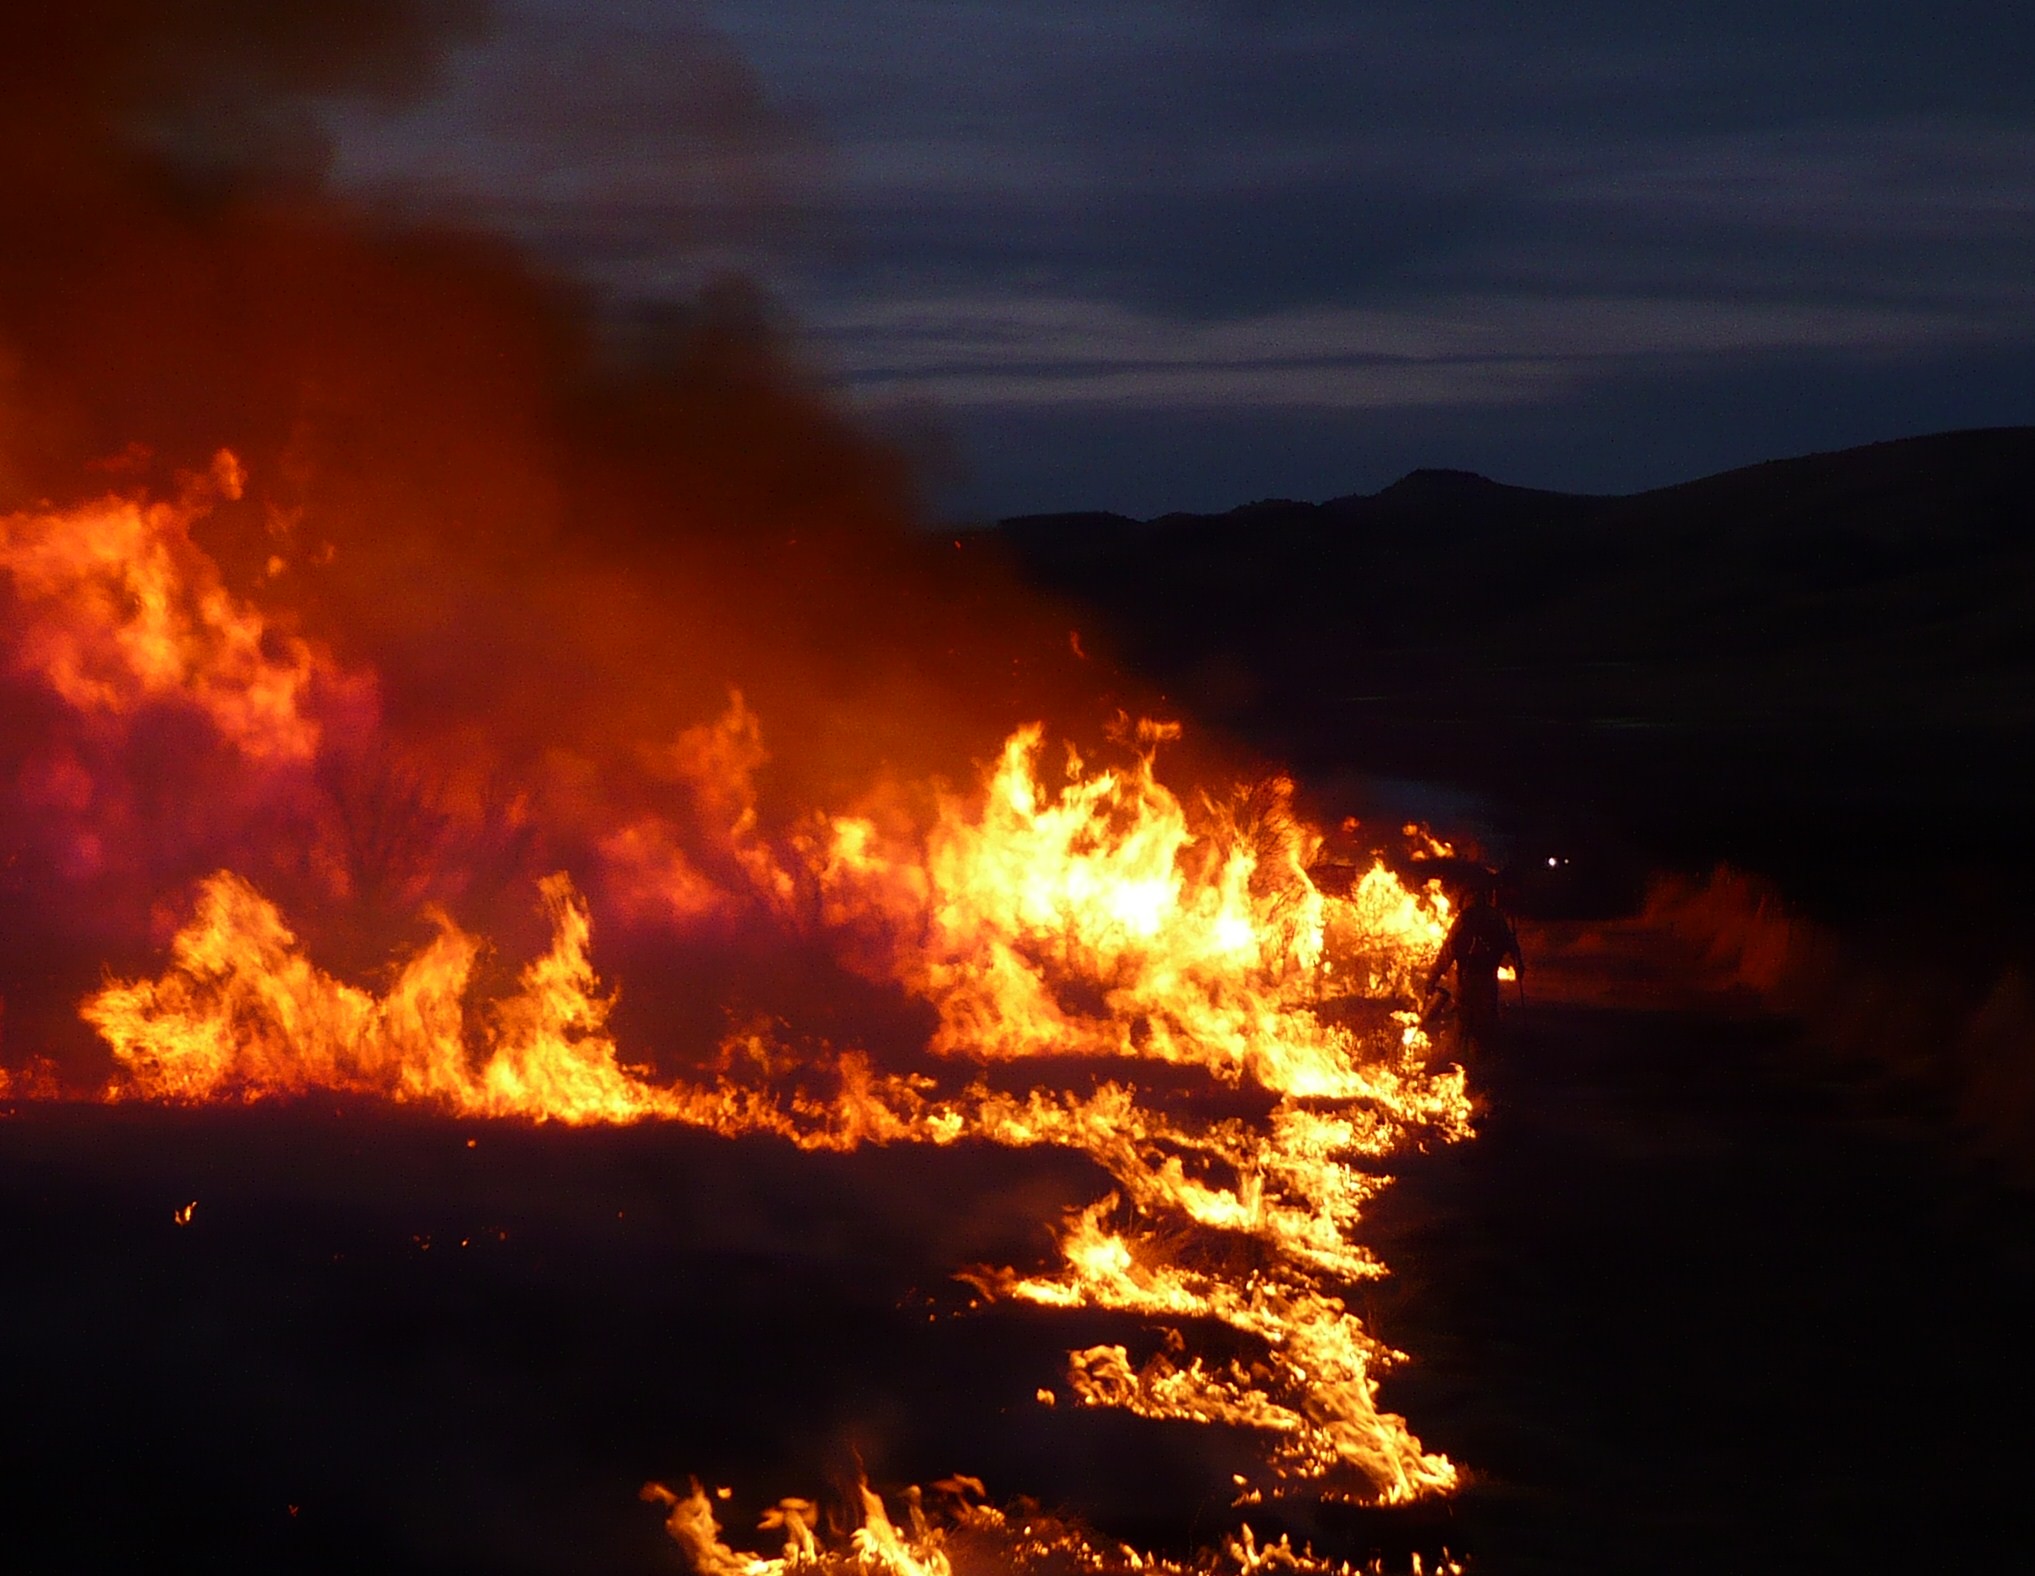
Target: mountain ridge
point(1799, 645)
point(1427, 483)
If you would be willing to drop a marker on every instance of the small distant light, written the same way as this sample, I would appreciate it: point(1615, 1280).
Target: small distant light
point(1044, 1396)
point(1552, 861)
point(183, 1216)
point(724, 1493)
point(474, 1143)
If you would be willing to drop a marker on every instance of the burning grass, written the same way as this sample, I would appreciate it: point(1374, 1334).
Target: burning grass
point(1103, 967)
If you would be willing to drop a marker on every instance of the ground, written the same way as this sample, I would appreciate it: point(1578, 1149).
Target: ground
point(1692, 1301)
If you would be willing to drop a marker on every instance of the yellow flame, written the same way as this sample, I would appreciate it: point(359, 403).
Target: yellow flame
point(242, 1014)
point(1096, 920)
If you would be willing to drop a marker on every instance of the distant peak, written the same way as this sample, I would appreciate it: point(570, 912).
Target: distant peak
point(1436, 478)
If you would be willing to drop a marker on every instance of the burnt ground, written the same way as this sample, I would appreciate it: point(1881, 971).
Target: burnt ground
point(1685, 1308)
point(1687, 1304)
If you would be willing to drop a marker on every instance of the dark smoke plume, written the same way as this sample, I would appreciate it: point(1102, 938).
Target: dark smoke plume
point(539, 571)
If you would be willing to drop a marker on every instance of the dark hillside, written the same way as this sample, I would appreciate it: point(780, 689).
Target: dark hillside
point(1784, 665)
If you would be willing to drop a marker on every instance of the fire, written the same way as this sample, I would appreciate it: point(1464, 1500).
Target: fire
point(955, 1528)
point(117, 607)
point(241, 1013)
point(874, 1545)
point(1026, 896)
point(1053, 918)
point(1095, 921)
point(1319, 1359)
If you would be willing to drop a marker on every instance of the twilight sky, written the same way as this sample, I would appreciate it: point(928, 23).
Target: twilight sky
point(1148, 256)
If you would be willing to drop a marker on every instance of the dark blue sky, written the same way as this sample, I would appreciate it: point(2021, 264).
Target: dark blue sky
point(1182, 255)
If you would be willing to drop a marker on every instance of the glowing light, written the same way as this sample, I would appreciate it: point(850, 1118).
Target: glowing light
point(119, 609)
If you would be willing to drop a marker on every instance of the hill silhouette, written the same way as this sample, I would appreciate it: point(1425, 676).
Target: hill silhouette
point(1781, 665)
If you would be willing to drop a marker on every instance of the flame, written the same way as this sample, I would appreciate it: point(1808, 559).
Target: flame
point(1101, 894)
point(241, 1013)
point(117, 608)
point(876, 1544)
point(1319, 1363)
point(1086, 916)
point(956, 1528)
point(1096, 921)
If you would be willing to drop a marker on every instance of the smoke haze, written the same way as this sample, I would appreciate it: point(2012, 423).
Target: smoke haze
point(531, 600)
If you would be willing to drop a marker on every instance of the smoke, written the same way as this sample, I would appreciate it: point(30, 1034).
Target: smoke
point(536, 604)
point(1938, 1030)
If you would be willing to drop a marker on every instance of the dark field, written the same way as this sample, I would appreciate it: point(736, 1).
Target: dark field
point(1679, 1308)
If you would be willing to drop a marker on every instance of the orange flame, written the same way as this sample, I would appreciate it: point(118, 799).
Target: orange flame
point(243, 1014)
point(955, 1528)
point(1095, 916)
point(119, 608)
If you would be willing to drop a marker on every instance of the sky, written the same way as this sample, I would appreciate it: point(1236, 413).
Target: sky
point(1144, 257)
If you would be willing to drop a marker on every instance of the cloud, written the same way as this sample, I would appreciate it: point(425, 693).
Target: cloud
point(624, 138)
point(1020, 352)
point(1133, 205)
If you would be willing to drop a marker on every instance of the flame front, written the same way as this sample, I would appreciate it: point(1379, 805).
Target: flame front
point(956, 1524)
point(1072, 934)
point(1097, 922)
point(1089, 924)
point(242, 1014)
